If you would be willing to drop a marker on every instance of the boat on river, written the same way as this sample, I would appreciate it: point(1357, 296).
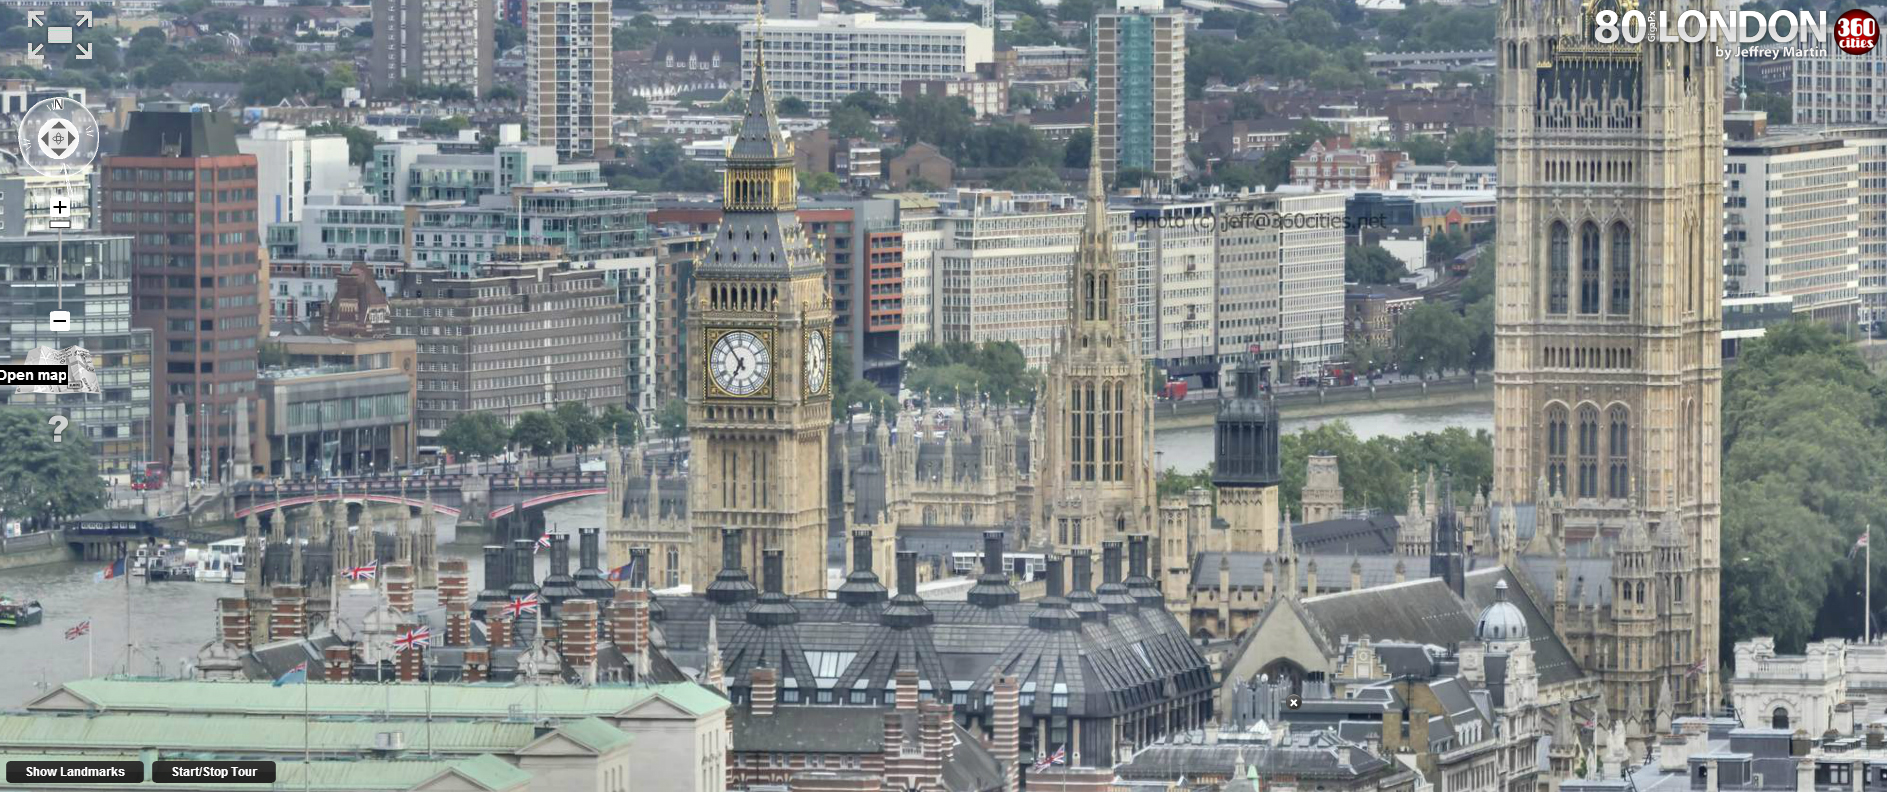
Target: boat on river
point(20, 614)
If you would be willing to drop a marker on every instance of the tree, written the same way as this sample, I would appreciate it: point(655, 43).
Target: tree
point(1034, 178)
point(506, 93)
point(1444, 246)
point(793, 106)
point(360, 142)
point(1079, 151)
point(1431, 338)
point(147, 44)
point(1366, 360)
point(942, 121)
point(867, 102)
point(851, 122)
point(1368, 471)
point(958, 370)
point(1173, 483)
point(1075, 11)
point(443, 127)
point(45, 480)
point(621, 423)
point(580, 428)
point(811, 183)
point(538, 432)
point(269, 81)
point(474, 435)
point(673, 419)
point(1371, 264)
point(1480, 320)
point(1480, 283)
point(1275, 167)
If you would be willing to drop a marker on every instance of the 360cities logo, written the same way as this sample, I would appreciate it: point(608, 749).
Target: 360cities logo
point(1857, 32)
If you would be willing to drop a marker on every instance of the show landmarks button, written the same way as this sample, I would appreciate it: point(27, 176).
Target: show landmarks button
point(33, 773)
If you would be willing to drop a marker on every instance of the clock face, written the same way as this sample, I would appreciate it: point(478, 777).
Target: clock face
point(816, 361)
point(58, 137)
point(740, 363)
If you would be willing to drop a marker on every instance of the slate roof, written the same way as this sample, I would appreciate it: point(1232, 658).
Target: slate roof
point(1332, 568)
point(1372, 535)
point(1424, 611)
point(1317, 755)
point(1121, 663)
point(810, 729)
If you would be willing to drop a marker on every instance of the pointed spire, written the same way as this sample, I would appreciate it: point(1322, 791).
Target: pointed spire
point(759, 137)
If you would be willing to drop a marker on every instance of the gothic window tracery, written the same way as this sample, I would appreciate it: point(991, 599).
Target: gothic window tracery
point(1556, 420)
point(1588, 451)
point(1618, 445)
point(1557, 269)
point(1589, 269)
point(1621, 268)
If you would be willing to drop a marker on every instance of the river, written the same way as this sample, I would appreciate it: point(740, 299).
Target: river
point(1188, 450)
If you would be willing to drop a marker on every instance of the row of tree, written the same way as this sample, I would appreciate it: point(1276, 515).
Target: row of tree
point(571, 426)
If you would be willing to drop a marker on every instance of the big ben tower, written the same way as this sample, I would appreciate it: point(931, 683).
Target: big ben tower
point(1097, 472)
point(1608, 370)
point(761, 329)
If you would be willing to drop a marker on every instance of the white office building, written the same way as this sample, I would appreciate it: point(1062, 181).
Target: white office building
point(1280, 290)
point(918, 218)
point(820, 61)
point(1179, 324)
point(292, 165)
point(1791, 223)
point(1870, 151)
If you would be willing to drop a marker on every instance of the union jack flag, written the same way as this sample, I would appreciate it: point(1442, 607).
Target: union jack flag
point(1859, 545)
point(368, 572)
point(525, 604)
point(542, 542)
point(1695, 669)
point(413, 639)
point(1059, 757)
point(82, 628)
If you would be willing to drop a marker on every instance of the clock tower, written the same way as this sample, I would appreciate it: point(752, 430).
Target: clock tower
point(761, 329)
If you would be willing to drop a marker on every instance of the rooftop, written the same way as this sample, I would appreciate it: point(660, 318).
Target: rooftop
point(466, 701)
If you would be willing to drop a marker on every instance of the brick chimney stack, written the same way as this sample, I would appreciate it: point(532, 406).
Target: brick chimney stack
point(498, 628)
point(576, 636)
point(1007, 747)
point(340, 664)
point(766, 683)
point(234, 617)
point(458, 624)
point(407, 662)
point(907, 690)
point(288, 620)
point(477, 664)
point(399, 583)
point(455, 581)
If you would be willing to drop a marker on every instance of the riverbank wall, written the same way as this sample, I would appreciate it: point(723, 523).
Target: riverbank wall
point(33, 549)
point(1337, 402)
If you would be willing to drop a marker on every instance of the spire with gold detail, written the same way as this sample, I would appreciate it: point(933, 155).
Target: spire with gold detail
point(1094, 299)
point(760, 233)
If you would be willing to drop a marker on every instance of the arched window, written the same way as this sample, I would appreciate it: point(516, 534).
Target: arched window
point(1621, 268)
point(1617, 447)
point(1120, 439)
point(1779, 719)
point(1087, 297)
point(1588, 451)
point(1588, 269)
point(1557, 269)
point(1556, 448)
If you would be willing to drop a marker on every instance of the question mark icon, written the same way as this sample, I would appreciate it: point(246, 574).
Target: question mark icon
point(59, 424)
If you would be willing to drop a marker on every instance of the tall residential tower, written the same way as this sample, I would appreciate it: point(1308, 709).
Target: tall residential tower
point(1140, 83)
point(567, 75)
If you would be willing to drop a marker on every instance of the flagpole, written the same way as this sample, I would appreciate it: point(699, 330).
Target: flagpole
point(124, 568)
point(307, 718)
point(90, 642)
point(1867, 585)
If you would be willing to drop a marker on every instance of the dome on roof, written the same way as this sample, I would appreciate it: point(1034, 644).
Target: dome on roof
point(1501, 621)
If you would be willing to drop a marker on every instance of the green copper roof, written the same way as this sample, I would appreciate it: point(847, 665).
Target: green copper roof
point(475, 701)
point(488, 772)
point(223, 734)
point(594, 734)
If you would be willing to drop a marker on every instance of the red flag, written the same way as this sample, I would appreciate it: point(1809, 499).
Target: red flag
point(368, 572)
point(82, 628)
point(413, 639)
point(525, 604)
